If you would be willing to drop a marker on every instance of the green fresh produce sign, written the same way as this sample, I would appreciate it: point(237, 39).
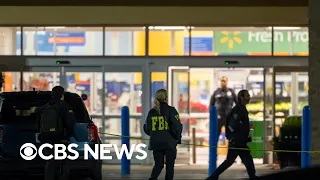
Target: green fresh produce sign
point(255, 42)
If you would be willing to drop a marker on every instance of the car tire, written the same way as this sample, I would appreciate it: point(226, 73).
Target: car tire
point(97, 171)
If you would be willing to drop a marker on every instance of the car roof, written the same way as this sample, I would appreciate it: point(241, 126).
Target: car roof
point(31, 95)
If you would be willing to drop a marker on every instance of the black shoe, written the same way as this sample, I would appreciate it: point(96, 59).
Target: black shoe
point(211, 178)
point(254, 178)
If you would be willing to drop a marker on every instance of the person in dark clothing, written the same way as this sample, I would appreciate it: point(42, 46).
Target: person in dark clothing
point(223, 99)
point(164, 128)
point(68, 119)
point(238, 134)
point(65, 111)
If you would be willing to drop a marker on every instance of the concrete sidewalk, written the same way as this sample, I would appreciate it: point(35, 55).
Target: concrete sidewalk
point(185, 172)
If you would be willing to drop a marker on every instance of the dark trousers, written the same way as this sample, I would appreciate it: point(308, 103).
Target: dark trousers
point(231, 157)
point(162, 157)
point(221, 123)
point(55, 169)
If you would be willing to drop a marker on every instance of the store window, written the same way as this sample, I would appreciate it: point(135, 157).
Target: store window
point(169, 40)
point(11, 81)
point(87, 83)
point(231, 41)
point(40, 81)
point(158, 81)
point(291, 96)
point(125, 41)
point(291, 41)
point(123, 89)
point(10, 40)
point(63, 41)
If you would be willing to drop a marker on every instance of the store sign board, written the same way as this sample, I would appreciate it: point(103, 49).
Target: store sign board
point(67, 38)
point(45, 41)
point(265, 37)
point(199, 46)
point(255, 42)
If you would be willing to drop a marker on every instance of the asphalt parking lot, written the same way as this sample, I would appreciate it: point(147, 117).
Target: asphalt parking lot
point(190, 172)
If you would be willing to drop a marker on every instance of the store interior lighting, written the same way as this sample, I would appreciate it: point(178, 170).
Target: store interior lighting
point(170, 27)
point(55, 27)
point(285, 28)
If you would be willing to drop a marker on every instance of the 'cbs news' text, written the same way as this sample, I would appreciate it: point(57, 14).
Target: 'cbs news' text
point(29, 151)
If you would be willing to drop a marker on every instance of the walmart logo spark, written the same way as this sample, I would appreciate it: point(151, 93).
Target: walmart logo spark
point(230, 38)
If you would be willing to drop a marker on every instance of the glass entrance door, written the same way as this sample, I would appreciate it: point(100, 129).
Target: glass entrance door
point(291, 85)
point(190, 92)
point(86, 81)
point(179, 93)
point(203, 83)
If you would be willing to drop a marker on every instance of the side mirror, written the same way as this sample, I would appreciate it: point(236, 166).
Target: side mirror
point(84, 97)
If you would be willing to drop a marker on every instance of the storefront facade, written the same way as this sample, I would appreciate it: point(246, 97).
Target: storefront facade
point(118, 66)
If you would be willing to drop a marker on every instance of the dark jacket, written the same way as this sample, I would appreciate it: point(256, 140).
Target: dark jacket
point(66, 114)
point(223, 100)
point(164, 129)
point(237, 125)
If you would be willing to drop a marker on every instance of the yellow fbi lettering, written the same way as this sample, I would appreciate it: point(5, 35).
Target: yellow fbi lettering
point(162, 124)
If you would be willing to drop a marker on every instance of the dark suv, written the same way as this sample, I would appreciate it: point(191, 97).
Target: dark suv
point(19, 125)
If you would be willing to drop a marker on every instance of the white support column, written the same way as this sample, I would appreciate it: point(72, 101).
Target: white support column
point(146, 101)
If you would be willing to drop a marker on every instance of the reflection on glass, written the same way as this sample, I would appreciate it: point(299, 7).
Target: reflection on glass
point(123, 89)
point(10, 41)
point(291, 96)
point(65, 41)
point(11, 81)
point(40, 81)
point(125, 41)
point(200, 89)
point(180, 91)
point(168, 41)
point(158, 81)
point(268, 131)
point(89, 84)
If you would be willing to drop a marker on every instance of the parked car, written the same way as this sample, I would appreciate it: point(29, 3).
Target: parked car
point(19, 125)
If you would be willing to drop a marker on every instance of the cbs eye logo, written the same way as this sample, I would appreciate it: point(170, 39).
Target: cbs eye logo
point(28, 151)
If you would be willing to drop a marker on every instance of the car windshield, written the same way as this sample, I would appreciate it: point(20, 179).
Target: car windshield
point(22, 107)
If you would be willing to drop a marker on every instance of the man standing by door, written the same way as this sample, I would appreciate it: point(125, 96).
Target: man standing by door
point(223, 99)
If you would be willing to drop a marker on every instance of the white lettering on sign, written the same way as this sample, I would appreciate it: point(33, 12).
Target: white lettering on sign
point(278, 36)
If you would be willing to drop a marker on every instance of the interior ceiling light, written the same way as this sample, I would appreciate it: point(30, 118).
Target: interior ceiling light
point(56, 27)
point(170, 27)
point(284, 28)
